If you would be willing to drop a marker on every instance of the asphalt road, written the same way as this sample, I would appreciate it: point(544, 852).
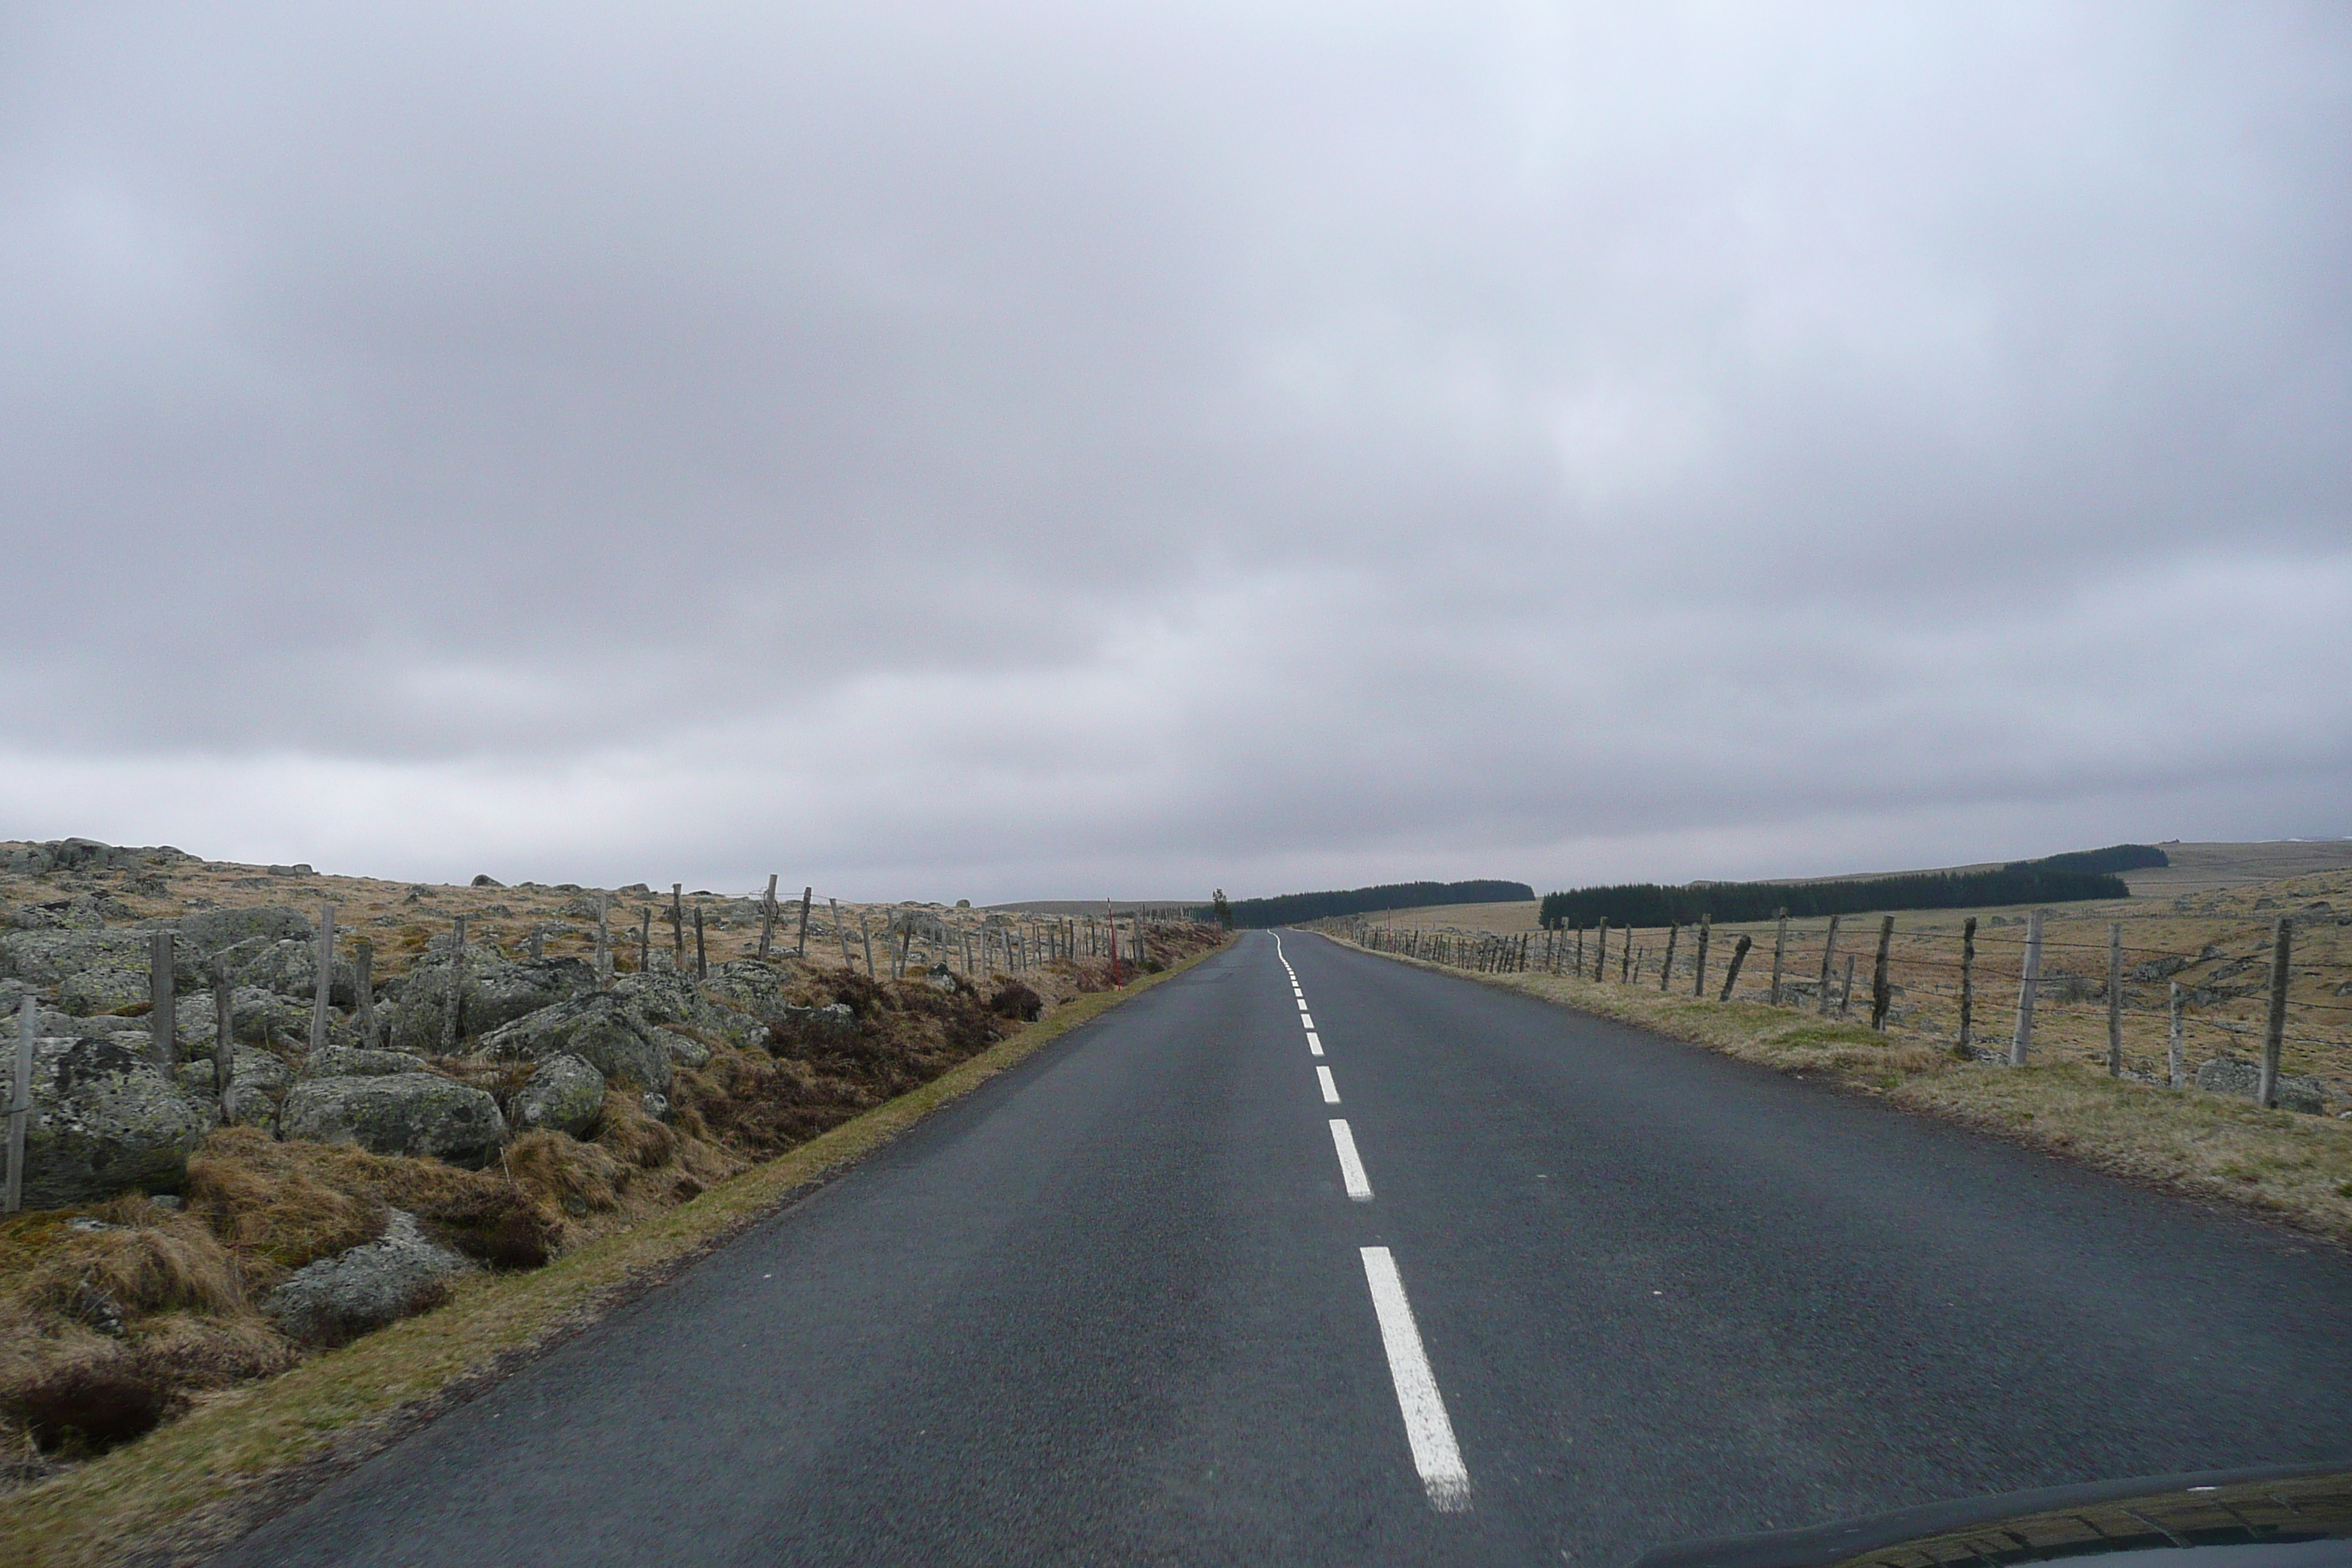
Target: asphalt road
point(1606, 1290)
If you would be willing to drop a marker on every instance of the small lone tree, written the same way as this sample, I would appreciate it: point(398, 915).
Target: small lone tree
point(1222, 909)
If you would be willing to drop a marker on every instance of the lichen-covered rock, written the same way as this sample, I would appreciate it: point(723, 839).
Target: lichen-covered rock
point(2234, 1075)
point(47, 957)
point(497, 991)
point(605, 1031)
point(208, 931)
point(285, 967)
point(256, 1017)
point(412, 1113)
point(103, 989)
point(802, 1027)
point(564, 1095)
point(262, 1069)
point(347, 1061)
point(366, 1287)
point(688, 1053)
point(756, 989)
point(674, 1001)
point(105, 1121)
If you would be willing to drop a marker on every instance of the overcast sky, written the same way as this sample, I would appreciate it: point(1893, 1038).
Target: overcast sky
point(947, 451)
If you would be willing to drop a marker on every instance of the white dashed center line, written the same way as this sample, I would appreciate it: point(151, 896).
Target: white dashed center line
point(1351, 1169)
point(1308, 1020)
point(1314, 1042)
point(1330, 1090)
point(1434, 1453)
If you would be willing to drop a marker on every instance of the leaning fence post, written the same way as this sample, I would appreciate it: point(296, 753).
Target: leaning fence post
point(1625, 960)
point(866, 929)
point(1829, 953)
point(1738, 957)
point(224, 1038)
point(1881, 995)
point(1968, 981)
point(645, 940)
point(2274, 1028)
point(1667, 969)
point(701, 952)
point(2178, 1073)
point(808, 895)
point(768, 919)
point(2028, 982)
point(161, 1020)
point(363, 989)
point(677, 927)
point(1845, 992)
point(453, 1022)
point(2114, 998)
point(841, 934)
point(1705, 929)
point(20, 1100)
point(324, 995)
point(1600, 952)
point(1779, 951)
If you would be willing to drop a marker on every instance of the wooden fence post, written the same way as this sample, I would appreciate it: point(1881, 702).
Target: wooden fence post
point(1667, 969)
point(1625, 960)
point(866, 930)
point(768, 919)
point(677, 927)
point(605, 939)
point(1828, 952)
point(1706, 929)
point(841, 934)
point(453, 1021)
point(2274, 1028)
point(701, 951)
point(2029, 985)
point(1968, 981)
point(538, 941)
point(363, 990)
point(1600, 952)
point(645, 940)
point(324, 994)
point(808, 895)
point(2178, 1068)
point(1845, 992)
point(1738, 957)
point(2114, 998)
point(1882, 994)
point(20, 1100)
point(1779, 953)
point(160, 1019)
point(224, 1039)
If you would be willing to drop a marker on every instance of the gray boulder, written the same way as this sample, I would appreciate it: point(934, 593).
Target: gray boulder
point(674, 1001)
point(756, 989)
point(285, 967)
point(564, 1095)
point(347, 1061)
point(47, 957)
point(689, 1054)
point(104, 989)
point(104, 1121)
point(2231, 1075)
point(496, 992)
point(825, 1027)
point(209, 931)
point(256, 1017)
point(607, 1032)
point(83, 854)
point(262, 1070)
point(412, 1113)
point(366, 1287)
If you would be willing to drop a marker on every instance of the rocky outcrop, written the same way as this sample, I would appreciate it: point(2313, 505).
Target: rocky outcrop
point(674, 1001)
point(45, 958)
point(105, 1121)
point(496, 992)
point(208, 931)
point(564, 1095)
point(411, 1114)
point(284, 967)
point(347, 1061)
point(2231, 1075)
point(103, 989)
point(608, 1032)
point(366, 1287)
point(83, 854)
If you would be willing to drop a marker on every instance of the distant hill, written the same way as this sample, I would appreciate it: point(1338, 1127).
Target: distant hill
point(1289, 909)
point(2071, 878)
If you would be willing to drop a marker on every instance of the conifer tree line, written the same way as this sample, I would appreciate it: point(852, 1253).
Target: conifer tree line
point(2074, 877)
point(1291, 908)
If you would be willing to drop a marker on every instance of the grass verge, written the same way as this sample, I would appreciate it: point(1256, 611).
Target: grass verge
point(2288, 1167)
point(193, 1486)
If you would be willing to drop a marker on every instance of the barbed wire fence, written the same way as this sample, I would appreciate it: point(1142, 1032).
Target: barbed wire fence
point(1999, 989)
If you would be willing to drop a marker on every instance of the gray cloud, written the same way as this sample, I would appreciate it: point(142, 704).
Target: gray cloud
point(1028, 450)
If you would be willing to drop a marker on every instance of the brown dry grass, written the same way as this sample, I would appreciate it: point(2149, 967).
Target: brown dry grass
point(2293, 1168)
